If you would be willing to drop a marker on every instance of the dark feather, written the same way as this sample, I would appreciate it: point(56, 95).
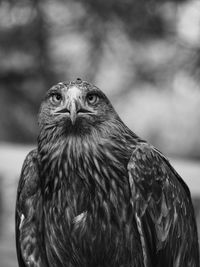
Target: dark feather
point(163, 208)
point(95, 195)
point(29, 235)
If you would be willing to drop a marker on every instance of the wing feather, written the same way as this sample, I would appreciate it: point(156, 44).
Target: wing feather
point(30, 250)
point(163, 206)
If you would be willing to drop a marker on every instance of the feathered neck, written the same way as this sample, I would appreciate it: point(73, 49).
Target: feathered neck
point(102, 149)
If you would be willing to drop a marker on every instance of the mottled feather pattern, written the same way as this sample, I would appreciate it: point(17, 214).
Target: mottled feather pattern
point(160, 196)
point(28, 227)
point(93, 187)
point(94, 194)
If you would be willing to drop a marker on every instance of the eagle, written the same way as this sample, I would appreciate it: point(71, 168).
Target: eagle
point(94, 194)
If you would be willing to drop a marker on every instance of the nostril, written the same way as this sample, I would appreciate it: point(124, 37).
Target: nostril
point(64, 110)
point(82, 110)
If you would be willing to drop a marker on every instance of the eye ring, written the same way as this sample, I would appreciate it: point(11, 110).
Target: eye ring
point(56, 98)
point(92, 98)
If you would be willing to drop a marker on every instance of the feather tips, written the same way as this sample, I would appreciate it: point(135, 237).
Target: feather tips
point(160, 197)
point(30, 250)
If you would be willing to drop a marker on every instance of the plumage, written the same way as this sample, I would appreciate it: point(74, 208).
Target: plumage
point(94, 194)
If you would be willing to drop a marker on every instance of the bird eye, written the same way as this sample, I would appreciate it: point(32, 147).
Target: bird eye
point(56, 98)
point(92, 98)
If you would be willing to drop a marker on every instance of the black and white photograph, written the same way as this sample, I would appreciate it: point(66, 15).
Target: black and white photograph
point(99, 133)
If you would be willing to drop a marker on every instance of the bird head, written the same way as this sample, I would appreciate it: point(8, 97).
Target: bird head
point(77, 107)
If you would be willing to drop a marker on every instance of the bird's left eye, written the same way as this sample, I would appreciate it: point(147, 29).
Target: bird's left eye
point(56, 98)
point(92, 98)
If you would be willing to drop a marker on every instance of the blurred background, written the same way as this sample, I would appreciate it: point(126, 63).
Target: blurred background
point(145, 55)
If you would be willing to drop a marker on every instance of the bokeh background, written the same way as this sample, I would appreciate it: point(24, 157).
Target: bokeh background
point(144, 54)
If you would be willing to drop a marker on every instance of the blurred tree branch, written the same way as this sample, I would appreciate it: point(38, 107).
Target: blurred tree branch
point(42, 42)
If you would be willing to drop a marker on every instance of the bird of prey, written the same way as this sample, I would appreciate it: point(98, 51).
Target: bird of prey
point(94, 194)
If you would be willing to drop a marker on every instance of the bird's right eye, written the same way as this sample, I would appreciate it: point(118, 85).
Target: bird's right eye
point(56, 98)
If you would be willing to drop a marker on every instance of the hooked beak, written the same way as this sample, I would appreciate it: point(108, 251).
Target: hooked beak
point(73, 110)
